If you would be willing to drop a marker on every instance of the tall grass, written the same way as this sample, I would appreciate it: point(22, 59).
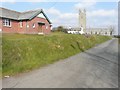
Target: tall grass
point(22, 53)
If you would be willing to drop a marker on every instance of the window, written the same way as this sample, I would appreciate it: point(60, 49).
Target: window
point(46, 27)
point(7, 22)
point(33, 25)
point(21, 24)
point(27, 24)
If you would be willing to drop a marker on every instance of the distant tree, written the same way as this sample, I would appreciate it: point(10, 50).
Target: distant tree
point(60, 29)
point(91, 32)
point(65, 30)
point(112, 29)
point(54, 29)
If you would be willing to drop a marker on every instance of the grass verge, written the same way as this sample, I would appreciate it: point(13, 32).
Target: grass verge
point(22, 53)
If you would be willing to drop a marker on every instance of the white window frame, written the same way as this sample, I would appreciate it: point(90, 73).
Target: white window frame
point(27, 25)
point(21, 24)
point(7, 22)
point(46, 27)
point(33, 25)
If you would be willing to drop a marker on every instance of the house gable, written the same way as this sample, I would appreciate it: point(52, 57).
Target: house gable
point(41, 16)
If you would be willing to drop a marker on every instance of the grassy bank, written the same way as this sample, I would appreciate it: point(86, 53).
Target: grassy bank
point(119, 40)
point(23, 53)
point(0, 55)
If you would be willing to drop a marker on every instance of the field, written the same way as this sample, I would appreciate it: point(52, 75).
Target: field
point(23, 53)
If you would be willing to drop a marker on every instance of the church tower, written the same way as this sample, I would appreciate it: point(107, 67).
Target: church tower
point(82, 19)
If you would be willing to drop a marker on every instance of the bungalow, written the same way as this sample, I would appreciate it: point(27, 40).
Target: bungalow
point(28, 22)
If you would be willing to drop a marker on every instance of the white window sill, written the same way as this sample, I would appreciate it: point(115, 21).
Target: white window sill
point(7, 26)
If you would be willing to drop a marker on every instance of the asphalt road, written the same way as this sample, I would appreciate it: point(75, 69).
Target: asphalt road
point(95, 68)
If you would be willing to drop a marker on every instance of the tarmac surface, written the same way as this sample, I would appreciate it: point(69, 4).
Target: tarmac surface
point(94, 68)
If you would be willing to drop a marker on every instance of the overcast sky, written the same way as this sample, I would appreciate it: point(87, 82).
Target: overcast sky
point(99, 14)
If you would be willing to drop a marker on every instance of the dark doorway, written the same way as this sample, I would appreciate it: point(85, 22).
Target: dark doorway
point(40, 27)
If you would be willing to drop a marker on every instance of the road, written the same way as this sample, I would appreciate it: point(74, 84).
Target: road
point(94, 68)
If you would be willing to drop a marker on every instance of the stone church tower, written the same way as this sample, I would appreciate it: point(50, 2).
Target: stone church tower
point(82, 19)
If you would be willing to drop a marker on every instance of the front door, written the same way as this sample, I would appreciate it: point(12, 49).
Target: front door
point(40, 28)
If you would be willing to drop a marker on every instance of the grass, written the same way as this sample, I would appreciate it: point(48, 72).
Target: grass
point(0, 62)
point(119, 40)
point(22, 53)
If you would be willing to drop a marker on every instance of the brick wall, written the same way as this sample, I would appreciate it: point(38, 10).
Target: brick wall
point(0, 24)
point(12, 29)
point(31, 30)
point(15, 26)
